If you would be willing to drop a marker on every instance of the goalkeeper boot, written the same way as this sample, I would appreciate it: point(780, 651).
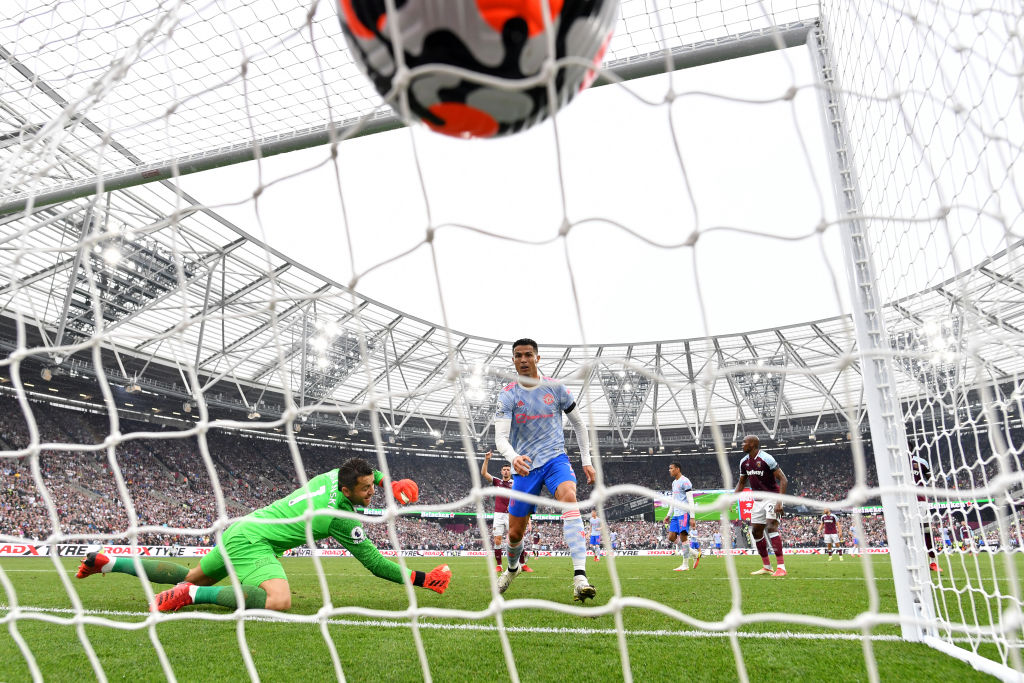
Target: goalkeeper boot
point(498, 569)
point(526, 568)
point(92, 564)
point(505, 580)
point(762, 570)
point(935, 567)
point(581, 589)
point(779, 572)
point(172, 599)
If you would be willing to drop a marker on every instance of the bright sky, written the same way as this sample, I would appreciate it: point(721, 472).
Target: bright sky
point(746, 168)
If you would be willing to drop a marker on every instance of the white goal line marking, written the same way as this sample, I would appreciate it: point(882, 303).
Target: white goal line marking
point(703, 577)
point(377, 623)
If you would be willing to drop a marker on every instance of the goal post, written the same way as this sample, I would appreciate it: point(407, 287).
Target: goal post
point(885, 413)
point(933, 156)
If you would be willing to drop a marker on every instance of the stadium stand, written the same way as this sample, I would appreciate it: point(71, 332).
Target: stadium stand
point(170, 487)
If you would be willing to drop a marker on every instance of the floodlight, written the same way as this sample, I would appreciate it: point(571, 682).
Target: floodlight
point(111, 255)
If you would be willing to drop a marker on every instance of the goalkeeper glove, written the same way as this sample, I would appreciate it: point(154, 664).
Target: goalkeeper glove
point(436, 579)
point(405, 491)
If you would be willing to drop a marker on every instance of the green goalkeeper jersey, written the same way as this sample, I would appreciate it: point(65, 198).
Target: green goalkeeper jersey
point(321, 493)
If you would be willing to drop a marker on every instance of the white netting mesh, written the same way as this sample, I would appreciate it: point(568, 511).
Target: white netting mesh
point(170, 81)
point(156, 310)
point(934, 128)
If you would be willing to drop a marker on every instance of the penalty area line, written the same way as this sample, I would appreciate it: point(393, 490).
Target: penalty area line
point(380, 623)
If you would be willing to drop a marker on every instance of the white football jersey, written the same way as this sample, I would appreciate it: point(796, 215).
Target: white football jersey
point(680, 487)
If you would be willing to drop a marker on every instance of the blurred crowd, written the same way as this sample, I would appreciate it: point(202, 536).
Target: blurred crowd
point(154, 478)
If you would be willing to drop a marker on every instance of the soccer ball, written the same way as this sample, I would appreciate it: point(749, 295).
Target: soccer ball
point(453, 46)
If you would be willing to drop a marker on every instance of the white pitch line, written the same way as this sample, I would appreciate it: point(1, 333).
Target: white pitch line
point(703, 577)
point(779, 635)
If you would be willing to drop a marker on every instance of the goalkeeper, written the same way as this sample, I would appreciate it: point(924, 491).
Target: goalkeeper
point(255, 547)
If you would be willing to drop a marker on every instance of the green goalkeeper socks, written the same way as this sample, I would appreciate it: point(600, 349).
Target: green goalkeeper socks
point(255, 598)
point(157, 571)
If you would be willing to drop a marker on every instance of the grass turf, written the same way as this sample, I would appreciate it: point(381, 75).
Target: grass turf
point(546, 645)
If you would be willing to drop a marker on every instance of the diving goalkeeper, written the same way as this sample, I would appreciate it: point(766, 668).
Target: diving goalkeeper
point(255, 547)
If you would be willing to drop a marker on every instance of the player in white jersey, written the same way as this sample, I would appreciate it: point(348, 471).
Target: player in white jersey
point(947, 537)
point(678, 519)
point(595, 535)
point(528, 433)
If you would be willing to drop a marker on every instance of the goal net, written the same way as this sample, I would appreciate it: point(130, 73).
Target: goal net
point(171, 365)
point(924, 142)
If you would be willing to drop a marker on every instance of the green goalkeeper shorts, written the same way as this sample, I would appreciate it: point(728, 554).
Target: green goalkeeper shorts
point(253, 562)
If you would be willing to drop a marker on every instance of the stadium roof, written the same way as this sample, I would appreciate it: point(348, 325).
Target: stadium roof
point(197, 292)
point(170, 288)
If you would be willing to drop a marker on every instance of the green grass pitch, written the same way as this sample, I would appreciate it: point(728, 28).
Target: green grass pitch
point(547, 645)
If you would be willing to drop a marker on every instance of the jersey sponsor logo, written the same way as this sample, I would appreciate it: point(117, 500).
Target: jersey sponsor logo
point(358, 535)
point(523, 418)
point(755, 473)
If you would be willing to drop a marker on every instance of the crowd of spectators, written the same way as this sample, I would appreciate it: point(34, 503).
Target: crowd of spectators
point(169, 485)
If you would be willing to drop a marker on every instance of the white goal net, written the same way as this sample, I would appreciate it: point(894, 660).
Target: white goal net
point(189, 336)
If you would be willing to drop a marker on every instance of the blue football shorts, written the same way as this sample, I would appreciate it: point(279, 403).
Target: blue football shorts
point(680, 524)
point(550, 474)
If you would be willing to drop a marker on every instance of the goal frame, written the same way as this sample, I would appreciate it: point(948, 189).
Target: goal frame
point(901, 508)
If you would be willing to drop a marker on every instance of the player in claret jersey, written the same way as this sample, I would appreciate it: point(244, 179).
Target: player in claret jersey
point(762, 473)
point(965, 536)
point(529, 540)
point(254, 546)
point(830, 531)
point(922, 477)
point(500, 525)
point(528, 432)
